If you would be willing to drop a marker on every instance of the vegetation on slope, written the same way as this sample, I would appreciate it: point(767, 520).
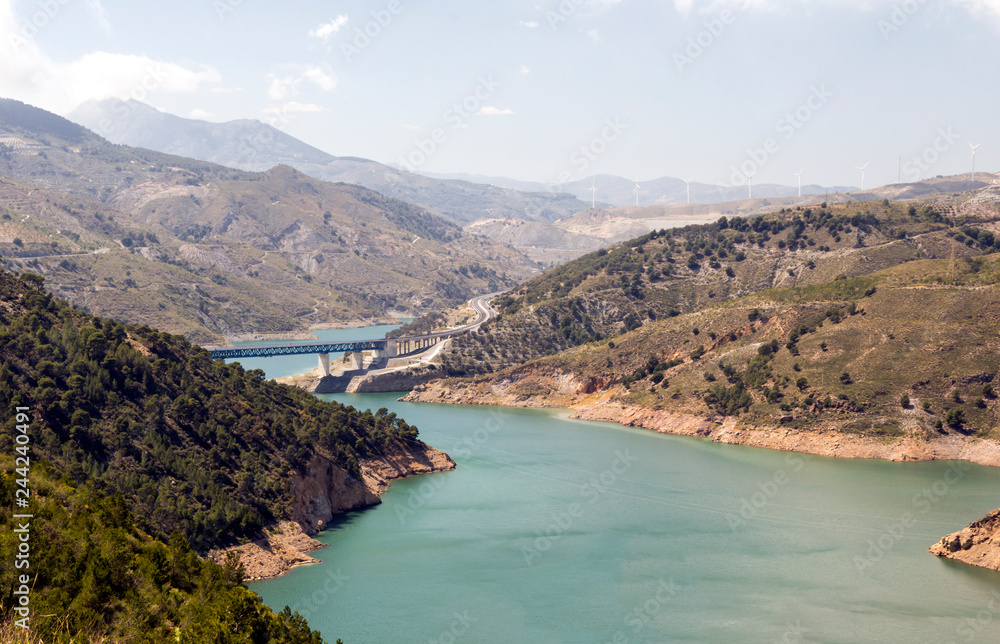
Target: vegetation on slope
point(670, 272)
point(909, 350)
point(141, 444)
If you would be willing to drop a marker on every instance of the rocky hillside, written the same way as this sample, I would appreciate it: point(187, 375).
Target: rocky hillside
point(675, 271)
point(859, 329)
point(978, 544)
point(252, 145)
point(208, 251)
point(902, 360)
point(139, 444)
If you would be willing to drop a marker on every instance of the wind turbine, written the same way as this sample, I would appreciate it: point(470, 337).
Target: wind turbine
point(899, 170)
point(799, 175)
point(593, 193)
point(750, 185)
point(688, 182)
point(862, 168)
point(974, 159)
point(637, 195)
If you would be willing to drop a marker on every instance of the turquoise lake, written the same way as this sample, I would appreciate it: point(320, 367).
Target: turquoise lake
point(558, 530)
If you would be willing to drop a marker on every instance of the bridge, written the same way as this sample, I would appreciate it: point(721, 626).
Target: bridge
point(354, 349)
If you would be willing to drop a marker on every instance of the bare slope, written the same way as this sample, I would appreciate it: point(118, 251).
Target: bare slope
point(209, 251)
point(901, 363)
point(256, 146)
point(670, 272)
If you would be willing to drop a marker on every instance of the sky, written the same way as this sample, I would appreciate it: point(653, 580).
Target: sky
point(550, 90)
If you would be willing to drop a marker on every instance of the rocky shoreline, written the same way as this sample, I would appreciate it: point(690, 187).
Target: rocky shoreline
point(326, 490)
point(977, 545)
point(588, 401)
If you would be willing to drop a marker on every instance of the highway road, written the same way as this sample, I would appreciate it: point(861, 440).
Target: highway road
point(480, 304)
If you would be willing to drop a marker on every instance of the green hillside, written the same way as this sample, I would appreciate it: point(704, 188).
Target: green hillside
point(139, 444)
point(671, 272)
point(871, 319)
point(908, 350)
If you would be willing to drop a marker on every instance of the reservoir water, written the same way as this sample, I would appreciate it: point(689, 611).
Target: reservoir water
point(557, 530)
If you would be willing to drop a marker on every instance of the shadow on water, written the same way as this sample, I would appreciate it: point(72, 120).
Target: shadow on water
point(338, 523)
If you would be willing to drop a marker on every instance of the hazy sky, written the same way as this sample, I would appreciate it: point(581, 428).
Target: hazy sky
point(549, 90)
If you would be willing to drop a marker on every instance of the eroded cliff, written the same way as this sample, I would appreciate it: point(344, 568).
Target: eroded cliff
point(325, 490)
point(978, 544)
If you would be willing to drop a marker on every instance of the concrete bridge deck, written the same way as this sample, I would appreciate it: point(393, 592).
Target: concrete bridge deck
point(354, 349)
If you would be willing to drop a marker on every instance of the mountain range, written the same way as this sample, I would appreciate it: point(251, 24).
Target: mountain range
point(612, 190)
point(256, 146)
point(212, 252)
point(549, 223)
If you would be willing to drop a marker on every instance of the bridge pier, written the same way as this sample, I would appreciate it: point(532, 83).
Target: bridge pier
point(324, 364)
point(356, 359)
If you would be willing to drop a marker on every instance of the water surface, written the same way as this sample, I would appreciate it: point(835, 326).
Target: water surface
point(556, 530)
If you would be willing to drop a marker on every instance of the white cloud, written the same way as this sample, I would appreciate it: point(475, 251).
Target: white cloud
point(524, 71)
point(100, 15)
point(489, 110)
point(278, 88)
point(226, 90)
point(530, 24)
point(294, 107)
point(981, 6)
point(322, 80)
point(198, 113)
point(594, 35)
point(684, 7)
point(327, 29)
point(27, 74)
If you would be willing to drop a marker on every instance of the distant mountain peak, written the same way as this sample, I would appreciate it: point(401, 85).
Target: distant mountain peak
point(35, 121)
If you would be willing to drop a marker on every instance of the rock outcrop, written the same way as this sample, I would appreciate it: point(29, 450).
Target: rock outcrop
point(276, 551)
point(978, 544)
point(325, 490)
